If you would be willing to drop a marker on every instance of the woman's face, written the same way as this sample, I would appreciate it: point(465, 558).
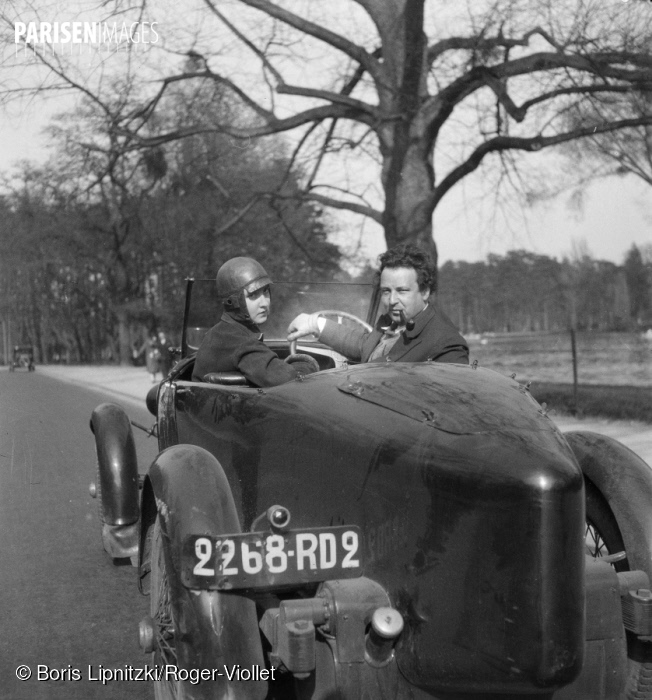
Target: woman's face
point(258, 304)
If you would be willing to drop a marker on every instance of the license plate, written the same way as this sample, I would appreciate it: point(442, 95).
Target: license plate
point(267, 559)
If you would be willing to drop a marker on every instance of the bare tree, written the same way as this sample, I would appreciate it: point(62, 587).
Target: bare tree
point(433, 90)
point(627, 152)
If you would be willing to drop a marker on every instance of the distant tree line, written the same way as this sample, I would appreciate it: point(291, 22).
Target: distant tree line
point(96, 244)
point(523, 292)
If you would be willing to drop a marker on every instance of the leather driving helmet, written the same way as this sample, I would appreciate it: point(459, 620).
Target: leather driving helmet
point(236, 276)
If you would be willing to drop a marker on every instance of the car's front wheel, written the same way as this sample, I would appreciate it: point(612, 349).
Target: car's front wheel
point(164, 652)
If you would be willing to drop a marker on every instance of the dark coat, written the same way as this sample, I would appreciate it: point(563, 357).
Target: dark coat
point(231, 346)
point(434, 337)
point(152, 356)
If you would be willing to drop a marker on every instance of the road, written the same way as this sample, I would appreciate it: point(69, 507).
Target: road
point(64, 605)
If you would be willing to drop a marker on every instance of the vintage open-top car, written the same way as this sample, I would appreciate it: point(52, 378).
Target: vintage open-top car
point(384, 530)
point(22, 356)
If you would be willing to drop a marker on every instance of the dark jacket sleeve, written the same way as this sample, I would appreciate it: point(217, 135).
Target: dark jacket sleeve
point(262, 367)
point(228, 347)
point(347, 340)
point(435, 339)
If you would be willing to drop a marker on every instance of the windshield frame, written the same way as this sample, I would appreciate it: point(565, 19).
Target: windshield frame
point(191, 286)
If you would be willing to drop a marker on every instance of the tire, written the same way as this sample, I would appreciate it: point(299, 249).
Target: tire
point(195, 629)
point(602, 533)
point(161, 613)
point(98, 497)
point(603, 537)
point(116, 486)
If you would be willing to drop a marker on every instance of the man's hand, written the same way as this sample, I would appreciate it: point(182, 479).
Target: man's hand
point(303, 324)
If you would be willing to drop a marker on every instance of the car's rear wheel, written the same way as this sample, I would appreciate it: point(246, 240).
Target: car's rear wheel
point(602, 534)
point(603, 538)
point(163, 621)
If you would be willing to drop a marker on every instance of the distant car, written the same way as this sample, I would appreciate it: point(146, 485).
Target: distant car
point(387, 530)
point(23, 356)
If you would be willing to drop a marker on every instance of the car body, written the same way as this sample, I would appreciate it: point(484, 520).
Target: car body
point(382, 530)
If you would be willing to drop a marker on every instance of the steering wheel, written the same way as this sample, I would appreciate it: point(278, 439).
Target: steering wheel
point(340, 315)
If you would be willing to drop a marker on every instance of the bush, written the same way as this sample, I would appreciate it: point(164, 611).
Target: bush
point(599, 400)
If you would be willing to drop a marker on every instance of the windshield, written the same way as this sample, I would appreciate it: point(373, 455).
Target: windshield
point(203, 309)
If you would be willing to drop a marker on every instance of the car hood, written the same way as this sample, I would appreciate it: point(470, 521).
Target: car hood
point(459, 399)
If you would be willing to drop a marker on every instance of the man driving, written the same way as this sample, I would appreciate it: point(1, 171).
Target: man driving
point(235, 344)
point(411, 329)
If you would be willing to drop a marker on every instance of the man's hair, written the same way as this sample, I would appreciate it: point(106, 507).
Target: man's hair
point(410, 255)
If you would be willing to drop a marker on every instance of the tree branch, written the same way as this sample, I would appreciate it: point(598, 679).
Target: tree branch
point(600, 64)
point(331, 38)
point(365, 210)
point(335, 97)
point(438, 108)
point(261, 55)
point(274, 205)
point(576, 90)
point(234, 219)
point(274, 126)
point(532, 144)
point(70, 83)
point(478, 43)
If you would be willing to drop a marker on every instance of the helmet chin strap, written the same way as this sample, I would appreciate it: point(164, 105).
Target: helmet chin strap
point(238, 310)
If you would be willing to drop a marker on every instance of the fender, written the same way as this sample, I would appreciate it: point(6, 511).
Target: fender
point(118, 479)
point(214, 629)
point(625, 481)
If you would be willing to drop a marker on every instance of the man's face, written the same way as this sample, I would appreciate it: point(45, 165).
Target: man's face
point(258, 304)
point(400, 292)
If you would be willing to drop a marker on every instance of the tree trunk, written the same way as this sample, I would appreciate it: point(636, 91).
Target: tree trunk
point(404, 138)
point(124, 344)
point(409, 191)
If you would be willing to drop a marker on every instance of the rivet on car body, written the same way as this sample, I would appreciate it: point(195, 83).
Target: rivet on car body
point(92, 489)
point(386, 625)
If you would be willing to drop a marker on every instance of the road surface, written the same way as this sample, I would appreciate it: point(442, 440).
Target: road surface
point(64, 606)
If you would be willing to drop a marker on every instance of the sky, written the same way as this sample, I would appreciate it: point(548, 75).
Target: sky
point(616, 213)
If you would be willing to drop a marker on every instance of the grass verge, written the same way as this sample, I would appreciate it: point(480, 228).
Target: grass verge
point(599, 400)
